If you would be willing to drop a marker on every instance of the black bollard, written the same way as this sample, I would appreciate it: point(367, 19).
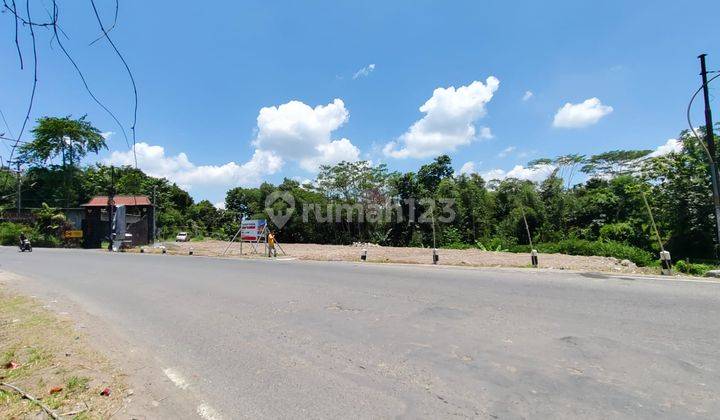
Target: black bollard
point(534, 258)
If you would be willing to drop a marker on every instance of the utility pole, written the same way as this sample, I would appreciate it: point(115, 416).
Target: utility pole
point(111, 205)
point(154, 224)
point(710, 140)
point(19, 189)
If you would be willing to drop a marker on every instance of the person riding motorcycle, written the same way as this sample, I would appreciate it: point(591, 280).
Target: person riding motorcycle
point(25, 243)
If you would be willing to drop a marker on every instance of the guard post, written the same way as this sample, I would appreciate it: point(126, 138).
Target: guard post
point(436, 257)
point(363, 255)
point(534, 258)
point(666, 263)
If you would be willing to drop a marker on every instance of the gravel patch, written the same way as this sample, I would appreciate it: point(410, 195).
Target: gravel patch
point(383, 254)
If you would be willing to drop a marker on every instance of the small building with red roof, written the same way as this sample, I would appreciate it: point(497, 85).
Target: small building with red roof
point(139, 211)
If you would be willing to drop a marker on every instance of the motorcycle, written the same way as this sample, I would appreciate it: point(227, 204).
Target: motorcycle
point(25, 245)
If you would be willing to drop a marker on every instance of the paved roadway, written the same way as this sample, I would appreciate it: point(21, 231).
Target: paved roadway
point(290, 339)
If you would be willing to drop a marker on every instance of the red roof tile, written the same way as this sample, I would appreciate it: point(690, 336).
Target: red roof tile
point(126, 200)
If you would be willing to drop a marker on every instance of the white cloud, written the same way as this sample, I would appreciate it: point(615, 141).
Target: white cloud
point(107, 134)
point(535, 174)
point(449, 121)
point(365, 71)
point(528, 95)
point(334, 152)
point(581, 115)
point(506, 151)
point(467, 168)
point(179, 169)
point(295, 131)
point(220, 205)
point(671, 146)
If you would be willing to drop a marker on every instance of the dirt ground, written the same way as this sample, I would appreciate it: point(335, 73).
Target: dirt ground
point(380, 254)
point(44, 356)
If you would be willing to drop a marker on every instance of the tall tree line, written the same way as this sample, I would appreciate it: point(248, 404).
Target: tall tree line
point(591, 198)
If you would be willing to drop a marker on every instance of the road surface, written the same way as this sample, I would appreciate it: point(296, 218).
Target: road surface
point(290, 339)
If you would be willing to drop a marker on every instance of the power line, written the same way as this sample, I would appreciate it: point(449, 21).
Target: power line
point(35, 79)
point(117, 7)
point(82, 76)
point(127, 67)
point(14, 140)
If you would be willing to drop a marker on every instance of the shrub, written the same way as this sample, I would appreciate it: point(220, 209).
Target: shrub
point(9, 233)
point(693, 269)
point(619, 232)
point(605, 249)
point(592, 248)
point(495, 244)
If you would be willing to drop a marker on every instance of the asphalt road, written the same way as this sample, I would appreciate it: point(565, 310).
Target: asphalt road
point(290, 339)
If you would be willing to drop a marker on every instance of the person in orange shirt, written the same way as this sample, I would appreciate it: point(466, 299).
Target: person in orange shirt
point(272, 252)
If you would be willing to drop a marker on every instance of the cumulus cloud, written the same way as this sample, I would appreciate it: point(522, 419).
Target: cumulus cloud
point(365, 71)
point(467, 168)
point(535, 174)
point(220, 205)
point(297, 132)
point(334, 152)
point(155, 162)
point(107, 134)
point(581, 115)
point(670, 146)
point(528, 95)
point(449, 121)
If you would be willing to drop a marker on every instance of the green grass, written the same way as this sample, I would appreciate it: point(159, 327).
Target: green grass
point(77, 383)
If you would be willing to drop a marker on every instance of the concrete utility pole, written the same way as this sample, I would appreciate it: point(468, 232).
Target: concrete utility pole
point(19, 189)
point(111, 206)
point(154, 224)
point(710, 140)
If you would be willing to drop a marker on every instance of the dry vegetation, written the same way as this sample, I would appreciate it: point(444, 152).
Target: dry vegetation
point(46, 358)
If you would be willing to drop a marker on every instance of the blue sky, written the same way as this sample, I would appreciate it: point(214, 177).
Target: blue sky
point(205, 71)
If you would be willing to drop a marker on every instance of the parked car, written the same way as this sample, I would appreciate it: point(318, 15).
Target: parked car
point(182, 237)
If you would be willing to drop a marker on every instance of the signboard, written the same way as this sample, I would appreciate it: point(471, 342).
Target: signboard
point(252, 230)
point(73, 234)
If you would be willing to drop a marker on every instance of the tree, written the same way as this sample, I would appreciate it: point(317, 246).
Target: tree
point(71, 139)
point(65, 137)
point(431, 174)
point(615, 162)
point(681, 186)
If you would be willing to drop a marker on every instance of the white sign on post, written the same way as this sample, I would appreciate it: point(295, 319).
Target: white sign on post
point(252, 230)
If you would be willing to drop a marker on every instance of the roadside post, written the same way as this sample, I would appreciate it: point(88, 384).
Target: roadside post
point(363, 255)
point(666, 263)
point(435, 256)
point(534, 258)
point(191, 251)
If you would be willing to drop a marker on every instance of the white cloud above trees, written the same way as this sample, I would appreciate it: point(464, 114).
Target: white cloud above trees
point(584, 114)
point(536, 174)
point(449, 121)
point(670, 146)
point(178, 168)
point(297, 132)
